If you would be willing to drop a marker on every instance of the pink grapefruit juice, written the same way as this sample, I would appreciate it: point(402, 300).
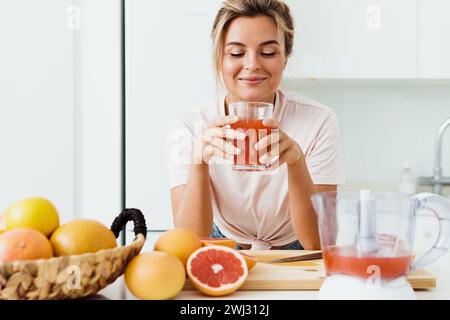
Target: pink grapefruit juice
point(345, 260)
point(254, 131)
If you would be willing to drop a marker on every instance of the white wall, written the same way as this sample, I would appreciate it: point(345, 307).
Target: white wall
point(36, 103)
point(168, 73)
point(382, 123)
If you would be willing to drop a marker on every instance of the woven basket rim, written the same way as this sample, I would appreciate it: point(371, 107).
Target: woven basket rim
point(138, 241)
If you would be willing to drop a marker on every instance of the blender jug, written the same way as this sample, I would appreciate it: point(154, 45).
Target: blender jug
point(367, 241)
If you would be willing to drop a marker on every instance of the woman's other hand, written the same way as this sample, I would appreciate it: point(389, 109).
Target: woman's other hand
point(283, 149)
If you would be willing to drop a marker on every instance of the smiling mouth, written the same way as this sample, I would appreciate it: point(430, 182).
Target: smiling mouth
point(252, 80)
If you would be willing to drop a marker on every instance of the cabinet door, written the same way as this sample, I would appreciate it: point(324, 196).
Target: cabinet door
point(434, 39)
point(60, 105)
point(36, 103)
point(169, 72)
point(354, 39)
point(98, 116)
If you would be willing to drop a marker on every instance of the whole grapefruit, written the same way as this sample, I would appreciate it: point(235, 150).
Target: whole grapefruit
point(24, 244)
point(82, 236)
point(37, 213)
point(155, 276)
point(179, 242)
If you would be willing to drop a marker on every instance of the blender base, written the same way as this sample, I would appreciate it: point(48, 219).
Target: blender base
point(342, 287)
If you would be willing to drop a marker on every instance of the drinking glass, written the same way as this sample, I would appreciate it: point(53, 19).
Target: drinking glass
point(250, 122)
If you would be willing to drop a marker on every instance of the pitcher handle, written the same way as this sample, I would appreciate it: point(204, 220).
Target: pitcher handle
point(440, 206)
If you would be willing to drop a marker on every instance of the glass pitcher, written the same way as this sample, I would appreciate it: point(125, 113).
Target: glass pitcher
point(363, 232)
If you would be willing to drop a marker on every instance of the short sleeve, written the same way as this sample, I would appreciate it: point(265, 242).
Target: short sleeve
point(180, 143)
point(325, 163)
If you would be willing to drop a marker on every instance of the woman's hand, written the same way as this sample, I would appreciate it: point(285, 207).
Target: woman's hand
point(214, 141)
point(283, 148)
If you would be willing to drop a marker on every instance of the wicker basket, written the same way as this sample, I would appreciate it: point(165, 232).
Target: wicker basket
point(70, 277)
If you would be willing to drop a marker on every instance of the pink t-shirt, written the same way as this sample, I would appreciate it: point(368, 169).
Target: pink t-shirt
point(253, 207)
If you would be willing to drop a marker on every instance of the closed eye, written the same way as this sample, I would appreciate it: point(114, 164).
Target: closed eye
point(264, 54)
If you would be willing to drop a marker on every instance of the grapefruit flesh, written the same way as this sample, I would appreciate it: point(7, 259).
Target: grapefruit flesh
point(217, 270)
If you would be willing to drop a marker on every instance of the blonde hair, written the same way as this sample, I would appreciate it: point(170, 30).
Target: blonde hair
point(232, 9)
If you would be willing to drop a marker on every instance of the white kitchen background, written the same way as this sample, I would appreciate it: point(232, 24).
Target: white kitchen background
point(60, 105)
point(382, 65)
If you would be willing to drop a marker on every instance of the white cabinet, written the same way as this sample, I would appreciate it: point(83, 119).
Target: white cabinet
point(60, 105)
point(36, 103)
point(434, 39)
point(356, 39)
point(169, 72)
point(99, 109)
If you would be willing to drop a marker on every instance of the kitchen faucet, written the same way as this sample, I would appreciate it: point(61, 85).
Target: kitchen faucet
point(437, 180)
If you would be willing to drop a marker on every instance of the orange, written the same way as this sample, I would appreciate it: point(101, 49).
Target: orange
point(155, 275)
point(82, 236)
point(218, 241)
point(179, 242)
point(249, 260)
point(24, 244)
point(217, 270)
point(36, 213)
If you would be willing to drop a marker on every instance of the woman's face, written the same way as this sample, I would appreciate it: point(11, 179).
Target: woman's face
point(253, 60)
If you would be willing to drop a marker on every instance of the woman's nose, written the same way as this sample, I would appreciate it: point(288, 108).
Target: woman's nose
point(252, 62)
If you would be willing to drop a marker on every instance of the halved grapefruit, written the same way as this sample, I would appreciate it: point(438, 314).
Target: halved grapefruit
point(251, 261)
point(217, 270)
point(218, 242)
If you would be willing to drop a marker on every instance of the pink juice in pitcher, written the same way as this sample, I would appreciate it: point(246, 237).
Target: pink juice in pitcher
point(346, 260)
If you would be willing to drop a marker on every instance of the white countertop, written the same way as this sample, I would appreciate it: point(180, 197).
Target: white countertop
point(440, 269)
point(117, 291)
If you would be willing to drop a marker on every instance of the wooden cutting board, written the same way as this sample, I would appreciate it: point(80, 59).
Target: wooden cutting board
point(301, 275)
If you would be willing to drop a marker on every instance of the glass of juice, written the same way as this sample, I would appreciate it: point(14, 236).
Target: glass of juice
point(250, 122)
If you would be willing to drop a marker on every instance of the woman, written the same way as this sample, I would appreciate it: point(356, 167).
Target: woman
point(252, 40)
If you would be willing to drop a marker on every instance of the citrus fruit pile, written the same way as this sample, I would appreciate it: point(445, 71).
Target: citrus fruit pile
point(30, 229)
point(213, 266)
